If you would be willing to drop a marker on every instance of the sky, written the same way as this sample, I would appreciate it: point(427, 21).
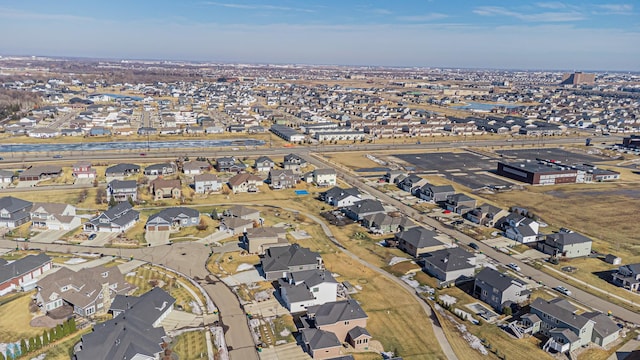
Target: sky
point(521, 34)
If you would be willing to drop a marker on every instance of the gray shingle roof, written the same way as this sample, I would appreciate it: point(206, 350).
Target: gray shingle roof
point(419, 237)
point(452, 259)
point(604, 326)
point(174, 213)
point(333, 312)
point(22, 266)
point(559, 312)
point(496, 279)
point(12, 204)
point(282, 257)
point(122, 169)
point(358, 331)
point(319, 339)
point(365, 206)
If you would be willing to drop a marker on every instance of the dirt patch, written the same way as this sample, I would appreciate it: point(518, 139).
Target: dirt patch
point(45, 321)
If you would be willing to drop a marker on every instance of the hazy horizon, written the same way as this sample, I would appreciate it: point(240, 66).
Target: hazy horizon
point(528, 35)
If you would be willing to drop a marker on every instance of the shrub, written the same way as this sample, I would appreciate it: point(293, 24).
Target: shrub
point(507, 311)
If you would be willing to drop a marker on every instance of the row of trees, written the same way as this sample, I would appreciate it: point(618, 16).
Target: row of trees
point(38, 342)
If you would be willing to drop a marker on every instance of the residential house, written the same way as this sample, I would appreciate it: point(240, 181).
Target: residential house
point(339, 197)
point(358, 338)
point(173, 218)
point(83, 170)
point(324, 177)
point(294, 163)
point(450, 265)
point(40, 172)
point(122, 190)
point(381, 223)
point(235, 225)
point(392, 175)
point(281, 179)
point(54, 216)
point(165, 189)
point(363, 208)
point(264, 164)
point(160, 169)
point(14, 212)
point(207, 183)
point(320, 344)
point(23, 273)
point(486, 214)
point(133, 333)
point(521, 228)
point(412, 183)
point(278, 262)
point(118, 218)
point(460, 203)
point(6, 178)
point(605, 330)
point(229, 164)
point(244, 182)
point(565, 244)
point(89, 290)
point(628, 276)
point(338, 317)
point(195, 167)
point(122, 170)
point(435, 194)
point(257, 240)
point(499, 290)
point(303, 289)
point(417, 241)
point(242, 212)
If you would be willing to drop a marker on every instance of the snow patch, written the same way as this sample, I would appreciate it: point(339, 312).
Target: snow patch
point(244, 267)
point(74, 261)
point(396, 260)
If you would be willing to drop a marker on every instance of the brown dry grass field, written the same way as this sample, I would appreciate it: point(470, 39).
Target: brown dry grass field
point(15, 318)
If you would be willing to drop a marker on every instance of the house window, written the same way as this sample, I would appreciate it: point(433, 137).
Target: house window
point(346, 322)
point(90, 310)
point(315, 289)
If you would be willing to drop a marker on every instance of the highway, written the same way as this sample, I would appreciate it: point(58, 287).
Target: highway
point(579, 295)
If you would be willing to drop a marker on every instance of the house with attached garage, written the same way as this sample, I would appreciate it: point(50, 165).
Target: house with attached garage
point(339, 197)
point(122, 170)
point(89, 290)
point(165, 189)
point(41, 172)
point(242, 212)
point(6, 178)
point(23, 273)
point(134, 332)
point(117, 219)
point(338, 317)
point(207, 183)
point(294, 163)
point(520, 228)
point(450, 265)
point(264, 164)
point(196, 167)
point(435, 194)
point(628, 276)
point(173, 218)
point(281, 179)
point(54, 216)
point(244, 182)
point(83, 170)
point(302, 289)
point(278, 262)
point(565, 244)
point(122, 190)
point(14, 212)
point(381, 223)
point(324, 177)
point(460, 203)
point(258, 240)
point(160, 169)
point(417, 241)
point(499, 290)
point(486, 214)
point(320, 344)
point(229, 164)
point(235, 225)
point(412, 183)
point(362, 208)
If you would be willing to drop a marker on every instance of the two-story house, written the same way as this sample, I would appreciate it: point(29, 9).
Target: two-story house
point(460, 203)
point(54, 216)
point(165, 189)
point(258, 240)
point(195, 167)
point(264, 164)
point(499, 290)
point(417, 241)
point(6, 178)
point(23, 273)
point(302, 289)
point(207, 183)
point(450, 265)
point(281, 179)
point(412, 183)
point(434, 193)
point(294, 163)
point(362, 208)
point(122, 190)
point(381, 223)
point(118, 218)
point(226, 164)
point(89, 290)
point(324, 177)
point(565, 244)
point(83, 170)
point(486, 214)
point(338, 317)
point(244, 182)
point(521, 228)
point(173, 218)
point(278, 262)
point(14, 212)
point(628, 276)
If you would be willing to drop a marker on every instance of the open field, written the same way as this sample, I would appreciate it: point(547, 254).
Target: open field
point(191, 345)
point(15, 318)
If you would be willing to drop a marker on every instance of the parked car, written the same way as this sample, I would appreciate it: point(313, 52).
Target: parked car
point(92, 236)
point(562, 290)
point(474, 246)
point(514, 267)
point(58, 156)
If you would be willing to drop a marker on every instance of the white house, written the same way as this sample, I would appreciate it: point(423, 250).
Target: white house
point(324, 177)
point(302, 289)
point(54, 216)
point(521, 229)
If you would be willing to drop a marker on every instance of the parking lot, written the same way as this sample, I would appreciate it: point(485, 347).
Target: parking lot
point(566, 157)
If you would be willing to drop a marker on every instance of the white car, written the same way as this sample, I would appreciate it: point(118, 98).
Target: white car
point(562, 290)
point(514, 266)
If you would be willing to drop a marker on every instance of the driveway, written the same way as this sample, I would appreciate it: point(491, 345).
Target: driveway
point(48, 236)
point(291, 351)
point(102, 239)
point(244, 277)
point(155, 238)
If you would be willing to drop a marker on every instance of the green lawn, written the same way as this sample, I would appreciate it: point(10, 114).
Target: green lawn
point(191, 345)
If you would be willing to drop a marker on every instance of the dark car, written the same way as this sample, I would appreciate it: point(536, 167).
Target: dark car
point(57, 156)
point(143, 154)
point(474, 246)
point(92, 236)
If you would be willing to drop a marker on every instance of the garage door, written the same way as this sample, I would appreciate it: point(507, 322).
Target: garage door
point(159, 228)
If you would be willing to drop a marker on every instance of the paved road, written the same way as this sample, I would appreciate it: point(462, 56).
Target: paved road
point(189, 259)
point(579, 295)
